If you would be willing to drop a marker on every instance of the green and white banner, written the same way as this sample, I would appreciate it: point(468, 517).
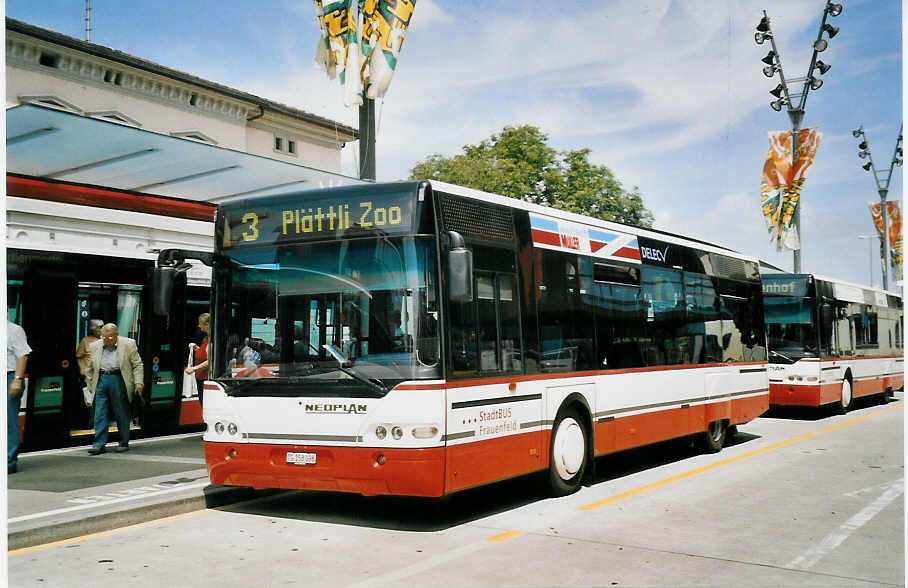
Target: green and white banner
point(361, 42)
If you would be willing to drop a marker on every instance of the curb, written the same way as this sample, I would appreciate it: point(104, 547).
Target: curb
point(210, 497)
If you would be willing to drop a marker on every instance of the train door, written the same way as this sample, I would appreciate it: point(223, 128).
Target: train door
point(53, 377)
point(120, 304)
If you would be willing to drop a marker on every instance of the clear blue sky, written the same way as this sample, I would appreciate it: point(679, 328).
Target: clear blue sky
point(668, 94)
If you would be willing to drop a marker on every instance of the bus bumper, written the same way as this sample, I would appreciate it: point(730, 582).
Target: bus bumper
point(804, 395)
point(406, 472)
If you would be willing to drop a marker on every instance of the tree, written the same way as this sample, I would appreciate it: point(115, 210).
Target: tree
point(518, 162)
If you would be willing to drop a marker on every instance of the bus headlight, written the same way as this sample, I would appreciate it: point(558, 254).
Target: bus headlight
point(397, 432)
point(381, 432)
point(231, 428)
point(219, 428)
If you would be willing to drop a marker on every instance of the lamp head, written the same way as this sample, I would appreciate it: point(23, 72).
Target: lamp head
point(862, 144)
point(822, 67)
point(770, 58)
point(777, 91)
point(763, 27)
point(831, 30)
point(833, 9)
point(858, 132)
point(866, 166)
point(769, 71)
point(815, 83)
point(777, 104)
point(820, 45)
point(760, 37)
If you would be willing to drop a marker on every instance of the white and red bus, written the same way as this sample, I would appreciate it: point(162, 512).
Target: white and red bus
point(831, 341)
point(421, 338)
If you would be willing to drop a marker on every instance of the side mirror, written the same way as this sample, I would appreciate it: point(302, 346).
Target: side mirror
point(162, 279)
point(460, 270)
point(460, 275)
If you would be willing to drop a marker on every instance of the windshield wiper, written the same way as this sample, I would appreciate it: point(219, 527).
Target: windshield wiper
point(785, 357)
point(343, 364)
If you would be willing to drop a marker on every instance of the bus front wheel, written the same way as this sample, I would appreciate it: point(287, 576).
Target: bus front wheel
point(568, 453)
point(845, 402)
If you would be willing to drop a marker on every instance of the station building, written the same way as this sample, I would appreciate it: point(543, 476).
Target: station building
point(111, 158)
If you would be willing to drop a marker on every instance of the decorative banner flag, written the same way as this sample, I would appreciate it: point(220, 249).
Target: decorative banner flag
point(894, 214)
point(361, 42)
point(780, 188)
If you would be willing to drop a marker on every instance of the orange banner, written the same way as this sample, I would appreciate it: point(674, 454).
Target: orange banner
point(780, 187)
point(894, 214)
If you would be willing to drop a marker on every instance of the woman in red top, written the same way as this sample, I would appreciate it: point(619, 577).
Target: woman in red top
point(199, 365)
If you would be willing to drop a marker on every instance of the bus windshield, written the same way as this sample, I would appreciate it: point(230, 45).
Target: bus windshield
point(348, 314)
point(790, 327)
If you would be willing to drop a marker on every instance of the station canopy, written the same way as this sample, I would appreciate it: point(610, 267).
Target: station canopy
point(59, 146)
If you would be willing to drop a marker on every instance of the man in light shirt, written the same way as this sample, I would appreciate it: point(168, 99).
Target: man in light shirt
point(17, 351)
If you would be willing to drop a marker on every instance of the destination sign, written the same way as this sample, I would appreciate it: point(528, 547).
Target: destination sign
point(312, 216)
point(784, 286)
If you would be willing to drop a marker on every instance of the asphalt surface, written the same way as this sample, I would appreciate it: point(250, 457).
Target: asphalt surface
point(64, 493)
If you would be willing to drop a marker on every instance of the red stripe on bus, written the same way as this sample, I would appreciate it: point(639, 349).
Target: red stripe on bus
point(546, 238)
point(628, 252)
point(552, 376)
point(492, 460)
point(104, 198)
point(439, 386)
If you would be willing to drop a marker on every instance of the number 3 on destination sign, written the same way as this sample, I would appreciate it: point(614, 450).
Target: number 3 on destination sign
point(253, 233)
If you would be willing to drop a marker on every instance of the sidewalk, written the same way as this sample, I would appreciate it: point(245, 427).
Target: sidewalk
point(64, 493)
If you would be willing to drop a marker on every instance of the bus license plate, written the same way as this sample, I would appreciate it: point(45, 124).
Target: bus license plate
point(300, 458)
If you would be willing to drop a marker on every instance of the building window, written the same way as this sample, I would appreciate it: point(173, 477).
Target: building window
point(284, 145)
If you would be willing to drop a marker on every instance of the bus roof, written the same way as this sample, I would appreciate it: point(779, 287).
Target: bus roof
point(835, 281)
point(579, 218)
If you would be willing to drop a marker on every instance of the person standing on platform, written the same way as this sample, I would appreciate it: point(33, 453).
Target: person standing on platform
point(17, 351)
point(199, 366)
point(115, 374)
point(94, 333)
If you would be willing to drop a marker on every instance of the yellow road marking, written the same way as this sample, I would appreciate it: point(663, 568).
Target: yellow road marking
point(696, 471)
point(505, 536)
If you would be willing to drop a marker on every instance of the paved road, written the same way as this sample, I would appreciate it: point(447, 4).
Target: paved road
point(791, 501)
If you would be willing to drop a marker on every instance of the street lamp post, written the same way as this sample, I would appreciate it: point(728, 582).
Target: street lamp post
point(882, 186)
point(870, 239)
point(796, 102)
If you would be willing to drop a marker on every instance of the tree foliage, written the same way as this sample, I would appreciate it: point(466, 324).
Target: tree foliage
point(518, 162)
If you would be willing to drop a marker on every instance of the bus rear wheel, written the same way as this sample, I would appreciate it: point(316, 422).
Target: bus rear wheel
point(714, 437)
point(568, 453)
point(886, 396)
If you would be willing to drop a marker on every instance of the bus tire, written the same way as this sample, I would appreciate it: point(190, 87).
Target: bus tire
point(714, 437)
point(845, 399)
point(568, 453)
